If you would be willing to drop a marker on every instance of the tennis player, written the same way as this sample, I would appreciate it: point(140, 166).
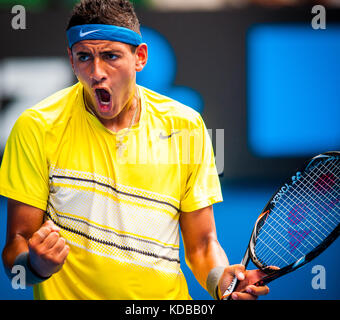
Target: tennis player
point(99, 177)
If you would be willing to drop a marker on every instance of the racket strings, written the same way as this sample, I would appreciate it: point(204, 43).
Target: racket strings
point(273, 249)
point(312, 203)
point(295, 241)
point(301, 194)
point(283, 237)
point(334, 190)
point(335, 208)
point(286, 238)
point(286, 209)
point(333, 194)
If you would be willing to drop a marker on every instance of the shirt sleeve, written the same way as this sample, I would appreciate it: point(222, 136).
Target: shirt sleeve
point(203, 186)
point(24, 168)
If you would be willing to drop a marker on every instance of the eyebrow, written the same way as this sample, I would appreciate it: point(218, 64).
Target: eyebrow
point(81, 53)
point(105, 51)
point(110, 51)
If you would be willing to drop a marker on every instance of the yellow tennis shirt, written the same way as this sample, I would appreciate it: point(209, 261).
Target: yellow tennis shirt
point(118, 211)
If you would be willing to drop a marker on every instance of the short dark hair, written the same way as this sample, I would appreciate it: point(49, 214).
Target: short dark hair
point(120, 13)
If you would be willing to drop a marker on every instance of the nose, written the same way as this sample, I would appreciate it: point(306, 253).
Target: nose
point(98, 71)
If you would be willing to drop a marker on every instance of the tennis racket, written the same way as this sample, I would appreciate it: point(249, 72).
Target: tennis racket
point(298, 223)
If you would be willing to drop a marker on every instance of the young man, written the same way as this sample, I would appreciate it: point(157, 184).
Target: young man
point(100, 175)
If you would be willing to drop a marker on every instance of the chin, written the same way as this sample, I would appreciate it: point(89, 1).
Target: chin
point(106, 115)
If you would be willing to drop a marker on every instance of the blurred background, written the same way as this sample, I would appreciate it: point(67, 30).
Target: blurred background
point(265, 81)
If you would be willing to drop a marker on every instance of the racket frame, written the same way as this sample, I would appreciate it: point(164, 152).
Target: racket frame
point(274, 273)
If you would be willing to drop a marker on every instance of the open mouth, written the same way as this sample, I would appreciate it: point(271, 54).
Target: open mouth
point(103, 97)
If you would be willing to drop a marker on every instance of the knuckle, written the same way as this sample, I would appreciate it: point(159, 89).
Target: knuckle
point(42, 231)
point(54, 236)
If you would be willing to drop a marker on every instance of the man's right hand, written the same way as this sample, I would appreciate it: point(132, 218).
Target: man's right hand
point(47, 250)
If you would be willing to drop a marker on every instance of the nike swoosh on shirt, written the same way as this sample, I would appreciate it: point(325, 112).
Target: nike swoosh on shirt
point(83, 34)
point(161, 136)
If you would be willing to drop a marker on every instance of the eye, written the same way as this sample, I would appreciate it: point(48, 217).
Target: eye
point(84, 57)
point(111, 56)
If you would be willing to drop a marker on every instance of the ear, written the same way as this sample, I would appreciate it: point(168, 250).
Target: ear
point(141, 56)
point(70, 56)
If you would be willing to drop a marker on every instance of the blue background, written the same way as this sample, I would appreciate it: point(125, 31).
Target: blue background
point(293, 90)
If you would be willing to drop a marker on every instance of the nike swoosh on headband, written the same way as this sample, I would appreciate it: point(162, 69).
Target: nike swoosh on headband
point(83, 34)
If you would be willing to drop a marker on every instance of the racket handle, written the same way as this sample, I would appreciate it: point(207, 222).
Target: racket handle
point(234, 283)
point(227, 294)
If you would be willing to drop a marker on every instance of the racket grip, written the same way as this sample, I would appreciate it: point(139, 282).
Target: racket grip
point(227, 294)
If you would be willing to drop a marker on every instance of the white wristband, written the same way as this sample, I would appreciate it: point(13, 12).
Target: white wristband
point(213, 279)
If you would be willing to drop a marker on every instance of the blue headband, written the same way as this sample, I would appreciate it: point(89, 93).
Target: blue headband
point(102, 32)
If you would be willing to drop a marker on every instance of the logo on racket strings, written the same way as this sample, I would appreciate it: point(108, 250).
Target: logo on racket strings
point(285, 188)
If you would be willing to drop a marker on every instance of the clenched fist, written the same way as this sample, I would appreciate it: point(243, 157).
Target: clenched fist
point(47, 250)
